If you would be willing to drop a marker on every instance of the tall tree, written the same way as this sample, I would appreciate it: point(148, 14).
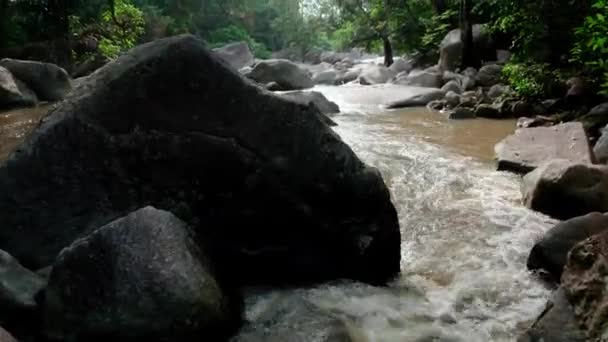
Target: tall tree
point(469, 57)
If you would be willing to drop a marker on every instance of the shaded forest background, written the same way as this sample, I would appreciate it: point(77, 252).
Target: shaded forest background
point(548, 39)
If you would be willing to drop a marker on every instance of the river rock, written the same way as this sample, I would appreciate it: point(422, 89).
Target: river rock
point(418, 100)
point(600, 150)
point(498, 90)
point(237, 162)
point(528, 148)
point(563, 189)
point(461, 113)
point(19, 288)
point(556, 323)
point(596, 119)
point(141, 276)
point(13, 92)
point(489, 75)
point(236, 54)
point(48, 81)
point(550, 253)
point(423, 78)
point(376, 74)
point(326, 77)
point(286, 73)
point(585, 282)
point(273, 86)
point(402, 65)
point(88, 66)
point(450, 48)
point(452, 99)
point(488, 111)
point(452, 86)
point(348, 76)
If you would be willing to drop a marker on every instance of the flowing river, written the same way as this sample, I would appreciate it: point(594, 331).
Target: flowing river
point(465, 239)
point(465, 236)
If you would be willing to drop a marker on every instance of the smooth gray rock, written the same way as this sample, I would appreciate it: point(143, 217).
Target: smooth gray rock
point(328, 77)
point(550, 253)
point(563, 189)
point(141, 277)
point(498, 90)
point(528, 148)
point(240, 164)
point(236, 54)
point(48, 81)
point(422, 78)
point(489, 75)
point(376, 74)
point(286, 73)
point(450, 48)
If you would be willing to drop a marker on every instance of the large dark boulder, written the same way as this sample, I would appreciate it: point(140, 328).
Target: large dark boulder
point(237, 55)
point(563, 190)
point(450, 48)
point(550, 253)
point(13, 92)
point(272, 190)
point(141, 277)
point(489, 75)
point(49, 81)
point(528, 148)
point(600, 150)
point(287, 74)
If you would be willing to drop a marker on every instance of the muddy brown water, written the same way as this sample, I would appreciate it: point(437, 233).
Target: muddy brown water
point(16, 124)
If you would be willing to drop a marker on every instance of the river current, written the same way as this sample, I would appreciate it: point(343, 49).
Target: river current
point(465, 239)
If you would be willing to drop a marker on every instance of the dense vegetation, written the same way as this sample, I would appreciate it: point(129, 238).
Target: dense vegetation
point(546, 37)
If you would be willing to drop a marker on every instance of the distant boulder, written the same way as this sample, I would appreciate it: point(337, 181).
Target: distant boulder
point(450, 48)
point(285, 73)
point(376, 74)
point(48, 81)
point(317, 99)
point(418, 100)
point(489, 75)
point(237, 55)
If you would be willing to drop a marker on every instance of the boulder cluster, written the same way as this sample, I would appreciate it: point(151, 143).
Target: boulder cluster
point(166, 182)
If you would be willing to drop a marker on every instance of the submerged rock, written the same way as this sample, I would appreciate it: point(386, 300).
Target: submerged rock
point(563, 189)
point(417, 100)
point(293, 318)
point(551, 252)
point(140, 277)
point(528, 148)
point(237, 55)
point(271, 189)
point(286, 73)
point(556, 323)
point(585, 281)
point(48, 81)
point(461, 113)
point(376, 74)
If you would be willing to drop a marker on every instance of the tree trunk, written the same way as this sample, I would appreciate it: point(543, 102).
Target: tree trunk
point(388, 51)
point(469, 57)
